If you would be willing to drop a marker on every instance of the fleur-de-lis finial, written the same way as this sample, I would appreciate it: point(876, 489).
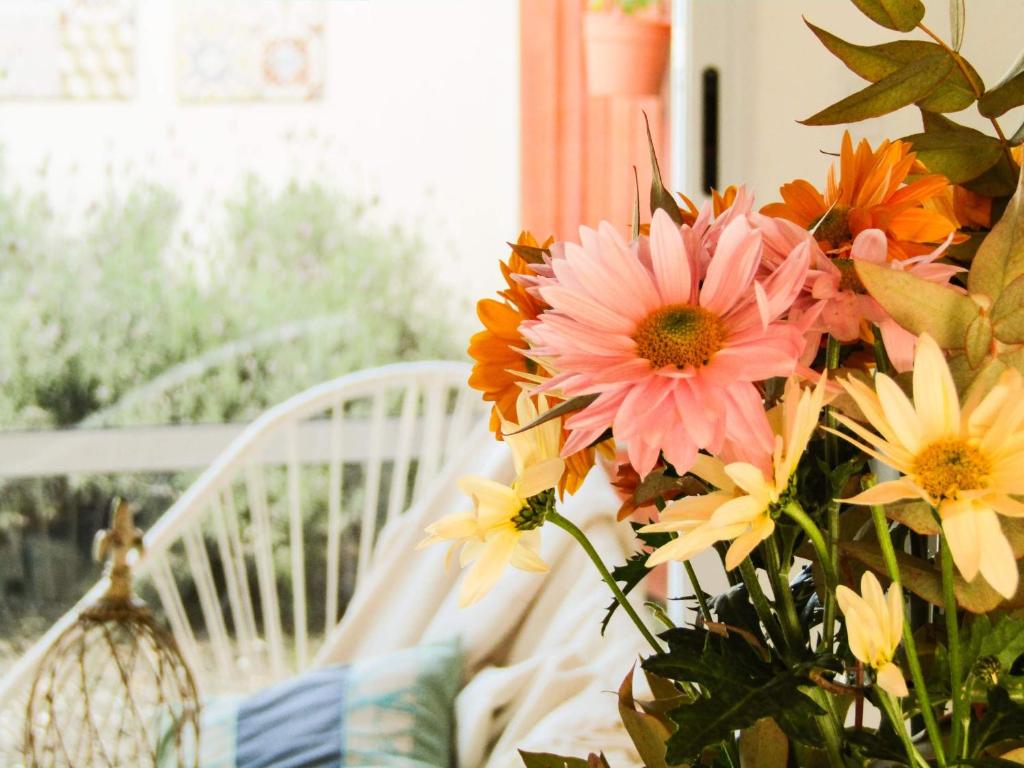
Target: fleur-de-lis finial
point(114, 545)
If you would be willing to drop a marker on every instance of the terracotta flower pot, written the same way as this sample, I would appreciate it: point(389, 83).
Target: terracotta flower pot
point(626, 55)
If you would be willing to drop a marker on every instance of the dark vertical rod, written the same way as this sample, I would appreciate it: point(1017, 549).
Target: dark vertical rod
point(709, 129)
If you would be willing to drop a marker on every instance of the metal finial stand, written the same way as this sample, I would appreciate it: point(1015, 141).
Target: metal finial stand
point(113, 689)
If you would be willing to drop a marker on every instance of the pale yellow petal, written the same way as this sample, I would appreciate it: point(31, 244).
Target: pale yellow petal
point(894, 598)
point(742, 509)
point(459, 525)
point(998, 565)
point(1004, 505)
point(873, 596)
point(890, 679)
point(964, 544)
point(746, 543)
point(867, 400)
point(526, 556)
point(885, 493)
point(540, 477)
point(692, 543)
point(494, 557)
point(712, 471)
point(900, 413)
point(935, 397)
point(750, 479)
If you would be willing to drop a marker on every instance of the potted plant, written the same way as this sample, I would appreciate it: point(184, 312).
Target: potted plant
point(626, 45)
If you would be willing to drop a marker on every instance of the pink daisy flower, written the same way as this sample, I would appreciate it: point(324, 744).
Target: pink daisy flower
point(844, 304)
point(671, 333)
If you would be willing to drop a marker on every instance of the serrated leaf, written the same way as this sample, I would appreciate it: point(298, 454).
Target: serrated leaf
point(763, 745)
point(1006, 94)
point(635, 569)
point(1008, 313)
point(742, 688)
point(920, 305)
point(547, 760)
point(648, 733)
point(660, 197)
point(957, 21)
point(909, 84)
point(901, 15)
point(875, 62)
point(1000, 257)
point(978, 341)
point(960, 154)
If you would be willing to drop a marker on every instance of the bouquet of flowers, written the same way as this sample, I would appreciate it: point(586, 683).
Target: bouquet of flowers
point(825, 391)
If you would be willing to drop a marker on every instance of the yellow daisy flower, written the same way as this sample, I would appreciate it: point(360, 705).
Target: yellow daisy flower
point(967, 462)
point(503, 528)
point(874, 626)
point(749, 494)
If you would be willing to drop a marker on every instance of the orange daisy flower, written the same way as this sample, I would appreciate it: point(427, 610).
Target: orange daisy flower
point(870, 193)
point(496, 348)
point(500, 369)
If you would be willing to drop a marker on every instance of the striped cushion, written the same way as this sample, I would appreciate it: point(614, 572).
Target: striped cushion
point(396, 710)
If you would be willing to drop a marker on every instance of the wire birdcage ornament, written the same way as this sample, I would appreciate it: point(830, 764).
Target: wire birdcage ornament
point(113, 689)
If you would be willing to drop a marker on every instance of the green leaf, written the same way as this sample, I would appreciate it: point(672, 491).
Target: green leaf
point(649, 733)
point(764, 745)
point(909, 84)
point(978, 341)
point(960, 154)
point(1006, 94)
point(547, 760)
point(875, 62)
point(742, 688)
point(634, 570)
point(957, 22)
point(1003, 720)
point(1003, 641)
point(660, 197)
point(1008, 313)
point(1000, 258)
point(571, 405)
point(998, 181)
point(916, 515)
point(920, 305)
point(901, 15)
point(530, 254)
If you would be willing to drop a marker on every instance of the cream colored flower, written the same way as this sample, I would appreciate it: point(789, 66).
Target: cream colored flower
point(748, 493)
point(503, 528)
point(874, 626)
point(967, 462)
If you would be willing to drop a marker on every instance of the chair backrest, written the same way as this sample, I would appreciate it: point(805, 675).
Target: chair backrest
point(255, 562)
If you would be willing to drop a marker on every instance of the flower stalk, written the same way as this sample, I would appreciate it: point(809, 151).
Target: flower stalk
point(956, 672)
point(909, 646)
point(832, 458)
point(569, 527)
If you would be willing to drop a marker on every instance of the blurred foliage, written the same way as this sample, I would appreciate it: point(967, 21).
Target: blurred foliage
point(124, 316)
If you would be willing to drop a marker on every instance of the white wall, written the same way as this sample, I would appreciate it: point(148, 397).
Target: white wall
point(420, 108)
point(774, 71)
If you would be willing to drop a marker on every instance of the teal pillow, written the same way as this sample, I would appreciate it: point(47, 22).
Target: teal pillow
point(395, 710)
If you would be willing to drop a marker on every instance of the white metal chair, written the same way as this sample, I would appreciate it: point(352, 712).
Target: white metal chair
point(271, 539)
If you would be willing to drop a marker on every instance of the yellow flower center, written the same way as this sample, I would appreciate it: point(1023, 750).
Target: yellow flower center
point(834, 226)
point(948, 466)
point(681, 335)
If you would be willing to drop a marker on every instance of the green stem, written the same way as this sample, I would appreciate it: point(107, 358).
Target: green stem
point(909, 646)
point(779, 575)
point(893, 711)
point(796, 512)
point(702, 601)
point(828, 726)
point(760, 601)
point(882, 364)
point(832, 458)
point(569, 527)
point(956, 671)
